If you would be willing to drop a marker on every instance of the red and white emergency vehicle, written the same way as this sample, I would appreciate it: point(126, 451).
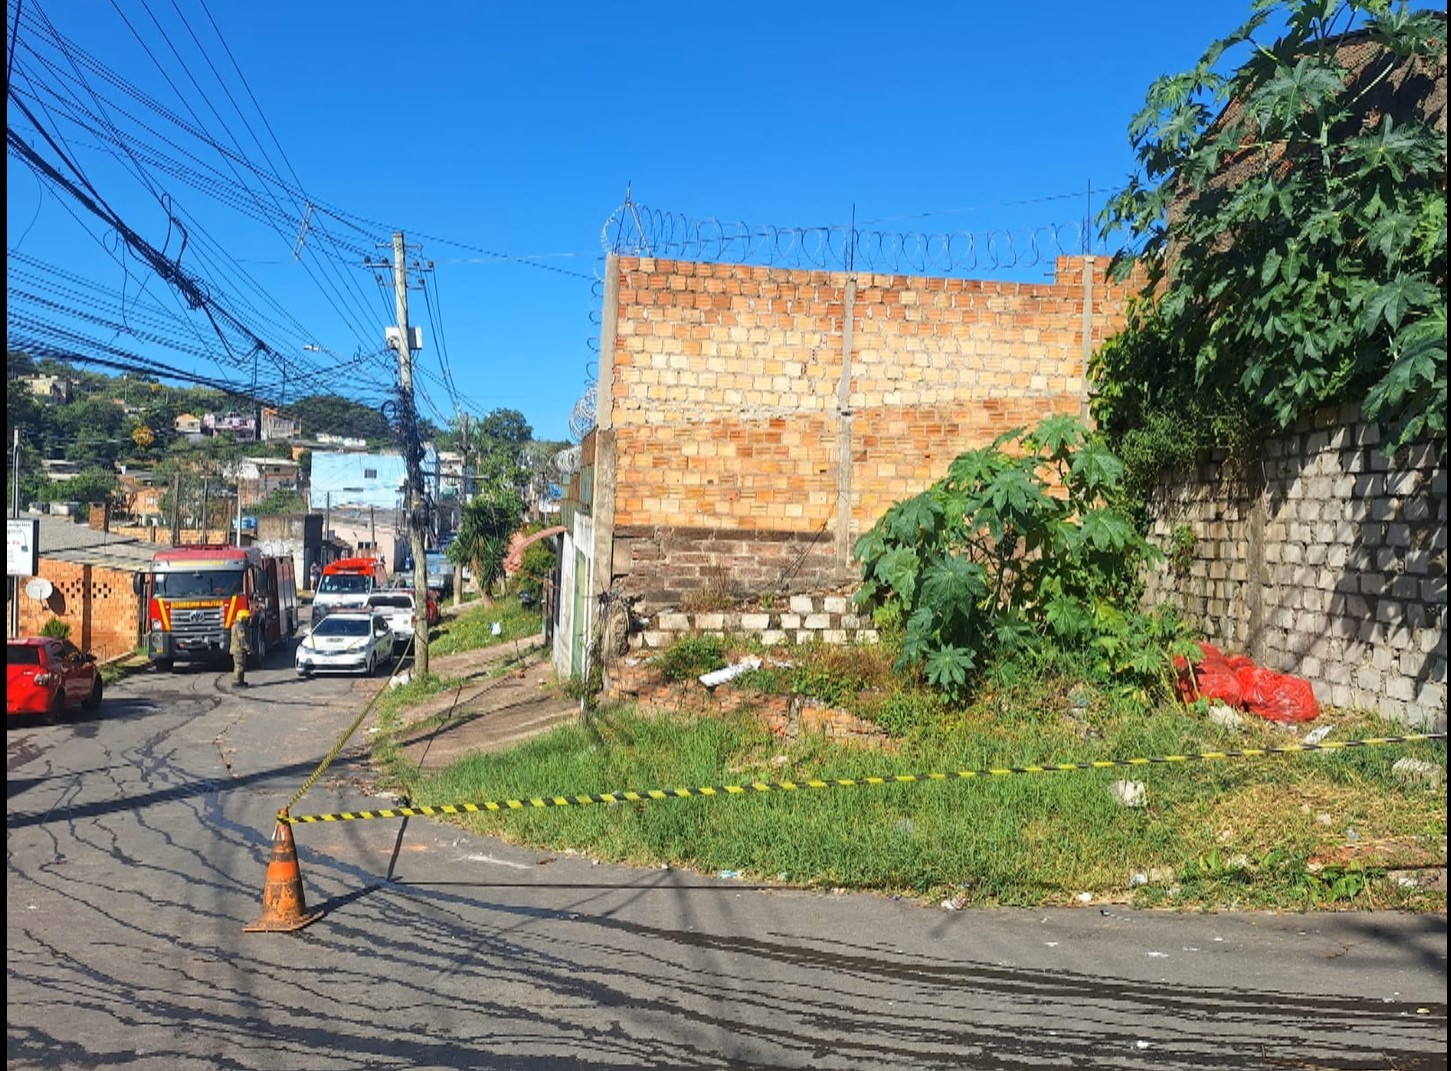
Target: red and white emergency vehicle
point(346, 585)
point(194, 592)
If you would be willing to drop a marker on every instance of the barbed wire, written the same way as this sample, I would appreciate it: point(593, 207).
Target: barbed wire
point(637, 230)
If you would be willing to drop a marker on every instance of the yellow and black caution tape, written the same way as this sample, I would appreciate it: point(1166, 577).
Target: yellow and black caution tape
point(844, 782)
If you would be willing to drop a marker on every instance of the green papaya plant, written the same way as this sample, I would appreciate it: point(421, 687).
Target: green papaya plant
point(1019, 545)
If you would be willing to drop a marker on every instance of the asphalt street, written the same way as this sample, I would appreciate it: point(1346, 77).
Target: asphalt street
point(138, 840)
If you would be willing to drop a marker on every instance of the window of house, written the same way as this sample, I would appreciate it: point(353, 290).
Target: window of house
point(370, 474)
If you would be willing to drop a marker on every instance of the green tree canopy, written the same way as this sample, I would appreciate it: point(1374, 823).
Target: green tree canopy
point(1291, 218)
point(332, 414)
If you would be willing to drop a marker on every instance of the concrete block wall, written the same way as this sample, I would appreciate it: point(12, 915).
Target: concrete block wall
point(772, 415)
point(798, 619)
point(1327, 560)
point(98, 603)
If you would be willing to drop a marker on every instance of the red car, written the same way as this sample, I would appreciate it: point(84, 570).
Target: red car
point(45, 676)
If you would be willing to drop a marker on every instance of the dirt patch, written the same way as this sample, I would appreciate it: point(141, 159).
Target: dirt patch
point(490, 710)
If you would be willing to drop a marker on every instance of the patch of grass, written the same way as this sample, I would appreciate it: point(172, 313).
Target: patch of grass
point(1307, 831)
point(1213, 835)
point(473, 628)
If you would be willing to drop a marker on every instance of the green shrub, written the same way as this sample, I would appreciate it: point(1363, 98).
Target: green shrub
point(56, 629)
point(1020, 545)
point(535, 567)
point(691, 656)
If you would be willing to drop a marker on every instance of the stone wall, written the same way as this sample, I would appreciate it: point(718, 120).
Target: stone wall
point(1326, 559)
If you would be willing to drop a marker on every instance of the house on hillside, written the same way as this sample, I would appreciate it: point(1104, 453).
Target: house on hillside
point(258, 477)
point(241, 427)
point(138, 495)
point(277, 428)
point(189, 427)
point(49, 388)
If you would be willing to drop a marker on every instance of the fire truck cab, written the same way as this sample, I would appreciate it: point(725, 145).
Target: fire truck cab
point(193, 594)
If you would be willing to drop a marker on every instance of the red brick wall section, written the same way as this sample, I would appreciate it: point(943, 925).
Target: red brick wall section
point(97, 602)
point(724, 401)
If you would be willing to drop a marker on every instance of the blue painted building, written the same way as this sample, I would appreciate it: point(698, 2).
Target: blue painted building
point(357, 479)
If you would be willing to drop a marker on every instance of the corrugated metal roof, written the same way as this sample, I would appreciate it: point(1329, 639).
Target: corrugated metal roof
point(80, 544)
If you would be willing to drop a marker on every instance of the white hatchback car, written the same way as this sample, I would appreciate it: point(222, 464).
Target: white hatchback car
point(351, 641)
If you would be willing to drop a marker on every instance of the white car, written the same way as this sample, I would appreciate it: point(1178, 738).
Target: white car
point(352, 641)
point(398, 606)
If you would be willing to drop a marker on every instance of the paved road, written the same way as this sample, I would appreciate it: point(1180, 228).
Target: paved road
point(137, 843)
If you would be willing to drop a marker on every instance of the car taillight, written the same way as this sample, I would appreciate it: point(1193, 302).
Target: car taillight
point(44, 678)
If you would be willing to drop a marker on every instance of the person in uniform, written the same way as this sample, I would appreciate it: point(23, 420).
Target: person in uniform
point(241, 648)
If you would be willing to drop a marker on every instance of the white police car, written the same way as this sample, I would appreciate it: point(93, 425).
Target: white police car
point(348, 641)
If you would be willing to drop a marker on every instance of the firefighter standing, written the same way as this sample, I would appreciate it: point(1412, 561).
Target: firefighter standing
point(241, 648)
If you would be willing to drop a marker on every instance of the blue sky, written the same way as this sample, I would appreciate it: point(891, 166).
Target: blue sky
point(500, 136)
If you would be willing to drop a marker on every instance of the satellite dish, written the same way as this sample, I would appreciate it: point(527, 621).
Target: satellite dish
point(39, 588)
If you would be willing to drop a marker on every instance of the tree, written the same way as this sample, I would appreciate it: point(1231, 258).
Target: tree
point(1291, 219)
point(332, 414)
point(18, 363)
point(88, 485)
point(482, 539)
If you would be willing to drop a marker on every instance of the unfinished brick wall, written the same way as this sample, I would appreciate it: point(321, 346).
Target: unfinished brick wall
point(761, 419)
point(97, 602)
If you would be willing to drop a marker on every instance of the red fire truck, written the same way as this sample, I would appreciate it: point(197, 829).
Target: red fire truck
point(193, 593)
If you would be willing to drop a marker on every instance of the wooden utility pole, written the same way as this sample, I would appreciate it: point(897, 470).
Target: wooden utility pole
point(413, 455)
point(458, 569)
point(176, 509)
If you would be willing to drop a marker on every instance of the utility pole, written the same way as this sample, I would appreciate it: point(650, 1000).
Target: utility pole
point(176, 509)
point(458, 568)
point(14, 581)
point(413, 455)
point(206, 503)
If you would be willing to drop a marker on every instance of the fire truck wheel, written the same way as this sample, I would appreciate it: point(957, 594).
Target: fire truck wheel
point(165, 665)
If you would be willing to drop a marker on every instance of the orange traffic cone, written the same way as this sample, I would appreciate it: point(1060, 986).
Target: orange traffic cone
point(284, 907)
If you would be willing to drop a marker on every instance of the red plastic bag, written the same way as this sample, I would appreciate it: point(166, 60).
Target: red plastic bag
point(1218, 681)
point(1278, 696)
point(1210, 678)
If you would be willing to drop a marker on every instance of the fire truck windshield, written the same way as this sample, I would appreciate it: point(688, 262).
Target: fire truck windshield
point(199, 583)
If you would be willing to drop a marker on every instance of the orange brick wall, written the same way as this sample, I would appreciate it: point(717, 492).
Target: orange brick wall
point(724, 400)
point(97, 602)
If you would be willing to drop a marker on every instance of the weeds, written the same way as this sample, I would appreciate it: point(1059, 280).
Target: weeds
point(688, 658)
point(1315, 831)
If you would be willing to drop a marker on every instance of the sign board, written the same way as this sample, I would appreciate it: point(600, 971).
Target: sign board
point(22, 546)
